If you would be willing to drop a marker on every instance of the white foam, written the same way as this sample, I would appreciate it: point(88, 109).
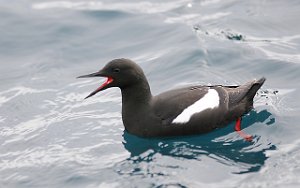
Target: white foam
point(210, 100)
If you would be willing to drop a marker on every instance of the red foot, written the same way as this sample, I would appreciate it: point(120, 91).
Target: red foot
point(237, 128)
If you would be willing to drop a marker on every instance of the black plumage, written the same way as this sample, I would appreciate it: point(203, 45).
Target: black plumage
point(152, 116)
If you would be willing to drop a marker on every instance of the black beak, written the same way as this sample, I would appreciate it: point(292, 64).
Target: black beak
point(103, 86)
point(96, 74)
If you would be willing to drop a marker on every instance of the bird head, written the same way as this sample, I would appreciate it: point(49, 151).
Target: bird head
point(120, 73)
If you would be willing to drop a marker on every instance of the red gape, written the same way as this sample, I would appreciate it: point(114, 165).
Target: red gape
point(237, 128)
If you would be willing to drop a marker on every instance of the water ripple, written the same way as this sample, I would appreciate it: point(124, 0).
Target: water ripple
point(10, 94)
point(139, 7)
point(51, 137)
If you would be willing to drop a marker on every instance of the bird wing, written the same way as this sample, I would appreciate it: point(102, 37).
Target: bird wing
point(170, 104)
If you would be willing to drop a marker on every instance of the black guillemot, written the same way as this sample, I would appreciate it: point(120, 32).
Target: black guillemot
point(185, 111)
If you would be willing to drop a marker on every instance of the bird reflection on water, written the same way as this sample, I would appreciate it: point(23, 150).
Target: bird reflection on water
point(228, 151)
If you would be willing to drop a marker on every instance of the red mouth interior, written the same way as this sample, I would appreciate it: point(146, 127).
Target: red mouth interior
point(108, 81)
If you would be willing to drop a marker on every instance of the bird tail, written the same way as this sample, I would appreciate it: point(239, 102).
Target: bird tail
point(254, 88)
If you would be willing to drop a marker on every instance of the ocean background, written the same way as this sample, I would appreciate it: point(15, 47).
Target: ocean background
point(51, 137)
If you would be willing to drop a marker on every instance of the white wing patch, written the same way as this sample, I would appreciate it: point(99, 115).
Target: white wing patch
point(210, 100)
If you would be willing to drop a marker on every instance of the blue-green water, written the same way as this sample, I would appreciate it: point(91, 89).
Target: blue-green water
point(51, 137)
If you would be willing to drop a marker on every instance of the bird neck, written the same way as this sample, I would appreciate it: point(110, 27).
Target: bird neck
point(136, 107)
point(138, 94)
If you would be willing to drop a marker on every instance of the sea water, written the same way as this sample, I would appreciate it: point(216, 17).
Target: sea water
point(51, 137)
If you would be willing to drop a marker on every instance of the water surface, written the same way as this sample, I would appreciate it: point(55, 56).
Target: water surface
point(51, 137)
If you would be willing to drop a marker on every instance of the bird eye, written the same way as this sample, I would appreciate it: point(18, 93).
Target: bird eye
point(116, 70)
